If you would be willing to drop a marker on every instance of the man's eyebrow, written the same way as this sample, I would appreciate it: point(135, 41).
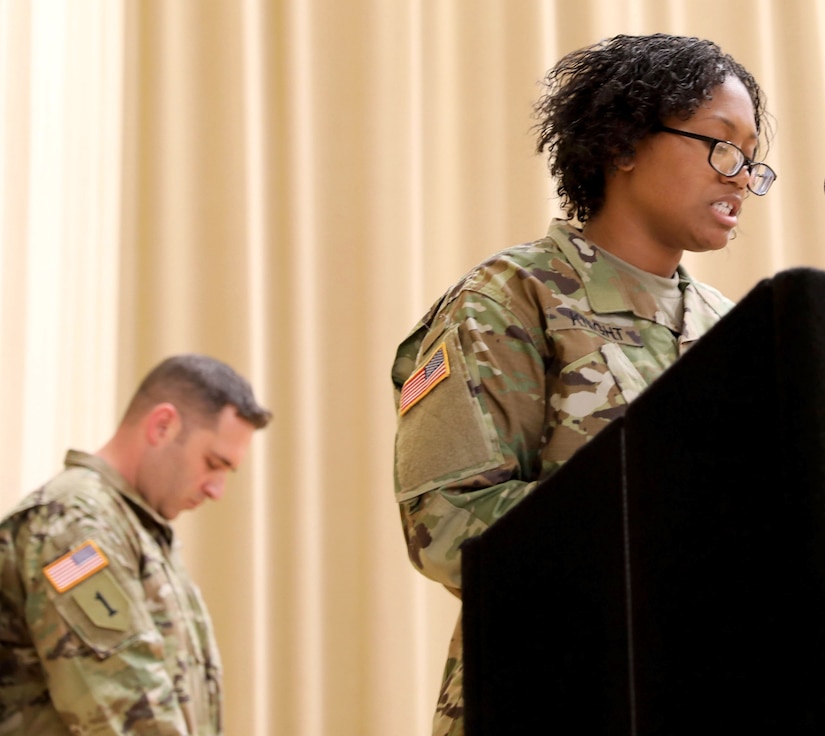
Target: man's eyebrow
point(223, 461)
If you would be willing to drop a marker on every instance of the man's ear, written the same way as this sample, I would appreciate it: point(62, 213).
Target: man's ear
point(163, 423)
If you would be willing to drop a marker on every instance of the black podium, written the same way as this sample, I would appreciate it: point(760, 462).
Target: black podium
point(669, 580)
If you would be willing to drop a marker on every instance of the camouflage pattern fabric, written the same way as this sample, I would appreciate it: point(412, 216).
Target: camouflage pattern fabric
point(101, 629)
point(521, 363)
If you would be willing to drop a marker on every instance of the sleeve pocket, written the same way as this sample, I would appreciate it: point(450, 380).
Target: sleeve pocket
point(446, 436)
point(100, 613)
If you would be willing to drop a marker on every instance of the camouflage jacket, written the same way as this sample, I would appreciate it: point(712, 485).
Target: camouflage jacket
point(523, 361)
point(101, 629)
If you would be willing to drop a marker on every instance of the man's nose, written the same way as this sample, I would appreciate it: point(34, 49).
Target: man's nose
point(213, 488)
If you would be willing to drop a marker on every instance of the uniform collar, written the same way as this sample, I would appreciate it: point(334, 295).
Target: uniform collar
point(76, 458)
point(610, 289)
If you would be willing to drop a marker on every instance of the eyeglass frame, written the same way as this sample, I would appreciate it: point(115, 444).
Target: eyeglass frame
point(746, 162)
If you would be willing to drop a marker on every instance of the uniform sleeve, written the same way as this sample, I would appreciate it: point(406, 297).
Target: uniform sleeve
point(468, 444)
point(96, 640)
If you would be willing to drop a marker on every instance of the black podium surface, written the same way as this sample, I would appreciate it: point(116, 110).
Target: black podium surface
point(670, 578)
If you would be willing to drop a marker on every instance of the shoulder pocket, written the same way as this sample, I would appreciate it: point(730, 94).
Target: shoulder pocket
point(101, 613)
point(445, 435)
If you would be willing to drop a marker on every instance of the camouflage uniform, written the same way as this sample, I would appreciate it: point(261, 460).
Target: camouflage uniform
point(521, 363)
point(101, 629)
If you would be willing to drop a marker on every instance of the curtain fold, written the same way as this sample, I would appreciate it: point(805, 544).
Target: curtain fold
point(60, 165)
point(287, 185)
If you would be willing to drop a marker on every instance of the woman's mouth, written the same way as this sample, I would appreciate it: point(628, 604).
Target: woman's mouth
point(723, 208)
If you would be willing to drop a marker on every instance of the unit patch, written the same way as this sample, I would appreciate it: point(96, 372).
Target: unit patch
point(104, 602)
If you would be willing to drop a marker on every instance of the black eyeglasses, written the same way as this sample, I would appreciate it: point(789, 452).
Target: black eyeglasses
point(728, 159)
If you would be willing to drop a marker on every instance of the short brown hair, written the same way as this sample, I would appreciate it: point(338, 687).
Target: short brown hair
point(200, 387)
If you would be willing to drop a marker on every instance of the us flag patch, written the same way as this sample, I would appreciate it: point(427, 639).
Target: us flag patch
point(75, 566)
point(427, 377)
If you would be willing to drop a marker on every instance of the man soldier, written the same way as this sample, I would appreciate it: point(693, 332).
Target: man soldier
point(101, 629)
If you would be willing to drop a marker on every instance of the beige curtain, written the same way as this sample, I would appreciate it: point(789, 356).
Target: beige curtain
point(287, 185)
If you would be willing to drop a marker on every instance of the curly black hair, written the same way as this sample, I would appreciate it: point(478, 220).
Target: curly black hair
point(601, 100)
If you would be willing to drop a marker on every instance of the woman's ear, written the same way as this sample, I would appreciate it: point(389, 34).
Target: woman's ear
point(625, 162)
